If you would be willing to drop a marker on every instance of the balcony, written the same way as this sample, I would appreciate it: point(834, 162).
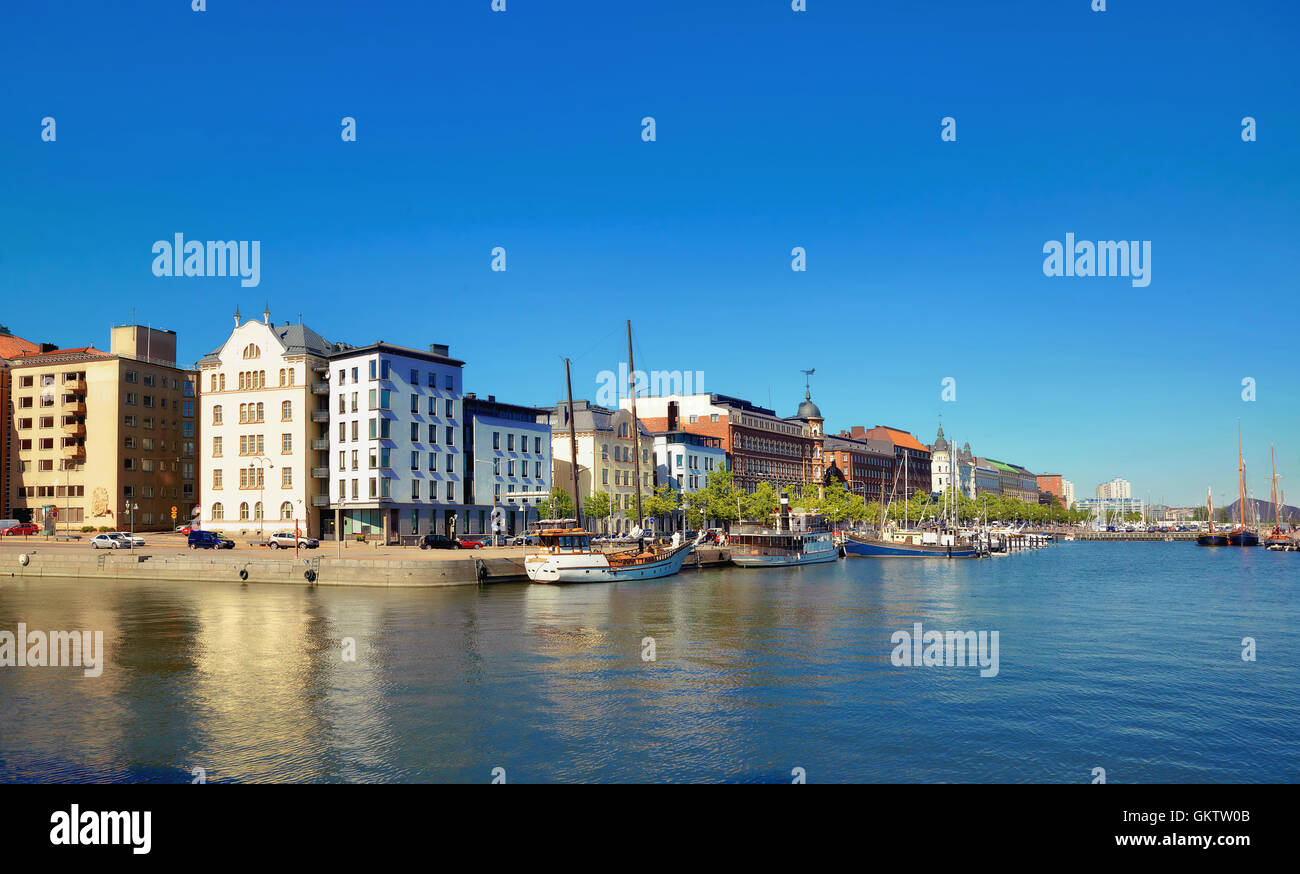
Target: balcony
point(320, 473)
point(321, 444)
point(320, 415)
point(74, 430)
point(320, 388)
point(75, 386)
point(74, 452)
point(76, 408)
point(320, 500)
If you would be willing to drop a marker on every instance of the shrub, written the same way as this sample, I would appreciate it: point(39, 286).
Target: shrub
point(87, 527)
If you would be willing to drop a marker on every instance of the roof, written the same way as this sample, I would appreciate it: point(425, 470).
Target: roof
point(940, 442)
point(897, 436)
point(296, 339)
point(587, 417)
point(12, 347)
point(38, 358)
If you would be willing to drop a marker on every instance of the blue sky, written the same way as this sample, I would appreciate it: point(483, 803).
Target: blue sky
point(775, 129)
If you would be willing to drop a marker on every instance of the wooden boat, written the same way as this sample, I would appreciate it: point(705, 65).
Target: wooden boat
point(1241, 535)
point(1276, 540)
point(563, 554)
point(1213, 538)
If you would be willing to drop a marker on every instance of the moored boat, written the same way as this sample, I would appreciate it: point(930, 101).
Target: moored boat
point(564, 554)
point(1212, 538)
point(906, 545)
point(796, 538)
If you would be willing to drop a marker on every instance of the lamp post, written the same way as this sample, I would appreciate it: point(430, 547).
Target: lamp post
point(261, 494)
point(131, 508)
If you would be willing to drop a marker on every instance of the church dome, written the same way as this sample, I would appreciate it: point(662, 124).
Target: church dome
point(940, 442)
point(808, 410)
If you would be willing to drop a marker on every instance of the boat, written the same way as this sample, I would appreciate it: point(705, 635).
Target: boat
point(563, 551)
point(563, 554)
point(906, 543)
point(1277, 540)
point(1213, 538)
point(1241, 535)
point(796, 538)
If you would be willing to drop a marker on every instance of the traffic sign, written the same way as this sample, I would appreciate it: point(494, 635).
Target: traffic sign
point(173, 514)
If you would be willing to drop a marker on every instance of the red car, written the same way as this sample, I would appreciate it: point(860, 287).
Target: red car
point(22, 528)
point(469, 543)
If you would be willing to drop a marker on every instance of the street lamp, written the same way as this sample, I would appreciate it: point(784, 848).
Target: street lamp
point(261, 493)
point(131, 508)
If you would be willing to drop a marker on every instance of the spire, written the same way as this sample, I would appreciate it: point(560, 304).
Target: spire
point(236, 315)
point(266, 313)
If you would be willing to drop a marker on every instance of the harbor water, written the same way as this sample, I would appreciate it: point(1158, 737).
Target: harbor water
point(1122, 656)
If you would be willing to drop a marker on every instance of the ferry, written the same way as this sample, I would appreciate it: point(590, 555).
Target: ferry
point(563, 554)
point(796, 538)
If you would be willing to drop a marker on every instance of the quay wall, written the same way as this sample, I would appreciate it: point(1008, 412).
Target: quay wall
point(230, 566)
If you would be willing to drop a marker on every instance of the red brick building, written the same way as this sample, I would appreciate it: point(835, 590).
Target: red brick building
point(910, 456)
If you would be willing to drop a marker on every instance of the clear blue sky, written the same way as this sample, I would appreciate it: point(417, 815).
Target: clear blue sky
point(775, 129)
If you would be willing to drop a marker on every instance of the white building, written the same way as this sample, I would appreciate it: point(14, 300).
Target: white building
point(1068, 498)
point(396, 460)
point(257, 425)
point(1116, 489)
point(508, 464)
point(684, 461)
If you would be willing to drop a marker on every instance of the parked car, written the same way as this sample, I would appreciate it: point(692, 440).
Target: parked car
point(523, 540)
point(469, 543)
point(285, 540)
point(185, 529)
point(209, 540)
point(437, 541)
point(22, 528)
point(109, 541)
point(131, 539)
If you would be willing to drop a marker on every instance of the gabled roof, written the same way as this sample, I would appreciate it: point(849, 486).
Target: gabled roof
point(12, 347)
point(297, 339)
point(897, 436)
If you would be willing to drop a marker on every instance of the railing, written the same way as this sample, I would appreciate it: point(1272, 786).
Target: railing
point(75, 430)
point(320, 473)
point(320, 443)
point(320, 415)
point(74, 451)
point(76, 408)
point(320, 500)
point(320, 388)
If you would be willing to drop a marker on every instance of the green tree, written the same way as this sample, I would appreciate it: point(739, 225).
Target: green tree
point(661, 503)
point(760, 503)
point(561, 505)
point(721, 498)
point(598, 507)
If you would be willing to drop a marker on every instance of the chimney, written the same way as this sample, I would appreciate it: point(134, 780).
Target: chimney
point(440, 349)
point(785, 513)
point(672, 415)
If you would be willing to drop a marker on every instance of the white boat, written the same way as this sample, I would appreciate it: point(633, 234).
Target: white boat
point(796, 538)
point(563, 554)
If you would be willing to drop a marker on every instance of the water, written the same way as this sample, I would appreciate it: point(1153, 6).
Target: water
point(1125, 656)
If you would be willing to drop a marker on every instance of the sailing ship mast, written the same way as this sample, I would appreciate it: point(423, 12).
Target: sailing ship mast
point(636, 428)
point(1209, 505)
point(573, 446)
point(1241, 481)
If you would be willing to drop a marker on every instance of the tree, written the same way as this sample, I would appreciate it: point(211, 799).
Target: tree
point(599, 506)
point(760, 503)
point(721, 497)
point(561, 504)
point(661, 503)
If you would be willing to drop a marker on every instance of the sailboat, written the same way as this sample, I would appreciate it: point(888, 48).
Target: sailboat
point(563, 553)
point(1213, 538)
point(1241, 535)
point(906, 543)
point(1277, 540)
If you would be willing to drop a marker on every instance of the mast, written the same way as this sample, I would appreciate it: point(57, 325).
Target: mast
point(1272, 455)
point(636, 428)
point(573, 446)
point(1209, 507)
point(1241, 480)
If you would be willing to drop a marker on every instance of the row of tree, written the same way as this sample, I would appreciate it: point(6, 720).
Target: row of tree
point(722, 501)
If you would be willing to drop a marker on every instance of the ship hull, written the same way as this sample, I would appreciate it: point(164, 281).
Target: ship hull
point(856, 548)
point(786, 560)
point(595, 568)
point(1243, 538)
point(1212, 540)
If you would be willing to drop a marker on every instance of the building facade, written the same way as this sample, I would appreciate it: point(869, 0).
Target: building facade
point(605, 460)
point(105, 439)
point(264, 415)
point(1116, 489)
point(911, 457)
point(507, 464)
point(10, 347)
point(1052, 484)
point(396, 442)
point(865, 466)
point(760, 445)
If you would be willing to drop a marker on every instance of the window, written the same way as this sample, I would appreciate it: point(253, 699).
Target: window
point(130, 376)
point(343, 432)
point(451, 409)
point(415, 432)
point(510, 443)
point(286, 511)
point(451, 468)
point(216, 415)
point(433, 406)
point(447, 382)
point(415, 403)
point(496, 440)
point(450, 436)
point(415, 377)
point(433, 433)
point(537, 445)
point(415, 490)
point(286, 444)
point(286, 411)
point(257, 510)
point(218, 512)
point(216, 447)
point(243, 511)
point(251, 351)
point(415, 461)
point(286, 477)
